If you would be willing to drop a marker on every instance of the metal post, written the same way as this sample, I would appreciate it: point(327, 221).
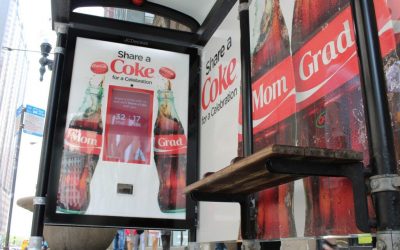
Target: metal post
point(15, 170)
point(248, 208)
point(35, 242)
point(383, 160)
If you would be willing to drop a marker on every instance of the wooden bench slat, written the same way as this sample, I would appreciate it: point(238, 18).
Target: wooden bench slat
point(250, 174)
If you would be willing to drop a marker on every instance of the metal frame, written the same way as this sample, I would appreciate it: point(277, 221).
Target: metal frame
point(145, 7)
point(48, 135)
point(62, 10)
point(248, 208)
point(380, 134)
point(354, 172)
point(216, 16)
point(113, 221)
point(197, 38)
point(138, 32)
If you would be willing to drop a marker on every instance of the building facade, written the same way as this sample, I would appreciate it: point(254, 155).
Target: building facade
point(13, 80)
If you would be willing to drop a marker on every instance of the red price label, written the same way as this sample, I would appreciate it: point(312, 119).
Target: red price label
point(128, 125)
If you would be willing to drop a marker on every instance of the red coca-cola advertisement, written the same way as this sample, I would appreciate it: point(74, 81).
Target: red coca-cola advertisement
point(307, 92)
point(125, 142)
point(219, 108)
point(274, 103)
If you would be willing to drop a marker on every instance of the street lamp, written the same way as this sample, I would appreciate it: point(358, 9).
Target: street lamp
point(45, 49)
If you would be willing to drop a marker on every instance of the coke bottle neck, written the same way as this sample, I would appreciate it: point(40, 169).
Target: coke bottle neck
point(165, 94)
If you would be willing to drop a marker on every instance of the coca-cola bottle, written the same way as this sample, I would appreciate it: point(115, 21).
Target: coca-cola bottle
point(273, 116)
point(329, 106)
point(83, 140)
point(170, 151)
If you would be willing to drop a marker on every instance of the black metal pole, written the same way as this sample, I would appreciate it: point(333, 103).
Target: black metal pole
point(247, 109)
point(45, 157)
point(15, 170)
point(248, 207)
point(383, 161)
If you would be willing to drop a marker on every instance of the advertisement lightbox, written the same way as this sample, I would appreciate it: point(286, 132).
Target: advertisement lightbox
point(122, 143)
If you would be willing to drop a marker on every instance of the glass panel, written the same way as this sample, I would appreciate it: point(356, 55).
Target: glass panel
point(388, 18)
point(133, 16)
point(185, 240)
point(176, 238)
point(179, 238)
point(125, 109)
point(306, 92)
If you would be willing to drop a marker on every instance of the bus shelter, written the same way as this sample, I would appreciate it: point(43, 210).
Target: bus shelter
point(256, 121)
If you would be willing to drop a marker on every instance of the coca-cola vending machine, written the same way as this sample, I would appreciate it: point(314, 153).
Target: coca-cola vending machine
point(123, 138)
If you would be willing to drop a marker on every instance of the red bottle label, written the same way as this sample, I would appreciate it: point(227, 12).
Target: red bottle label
point(84, 141)
point(170, 144)
point(329, 59)
point(395, 12)
point(273, 96)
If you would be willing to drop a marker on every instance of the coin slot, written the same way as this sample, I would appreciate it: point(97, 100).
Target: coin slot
point(124, 188)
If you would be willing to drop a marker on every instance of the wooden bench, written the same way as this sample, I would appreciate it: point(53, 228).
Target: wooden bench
point(250, 174)
point(279, 164)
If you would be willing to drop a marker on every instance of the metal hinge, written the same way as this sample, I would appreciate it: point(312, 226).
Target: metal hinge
point(196, 216)
point(387, 182)
point(59, 50)
point(61, 28)
point(39, 201)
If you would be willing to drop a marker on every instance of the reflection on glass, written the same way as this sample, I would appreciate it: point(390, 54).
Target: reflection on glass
point(133, 16)
point(180, 238)
point(390, 48)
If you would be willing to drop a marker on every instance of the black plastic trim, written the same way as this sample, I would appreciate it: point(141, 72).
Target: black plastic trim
point(133, 30)
point(49, 133)
point(213, 20)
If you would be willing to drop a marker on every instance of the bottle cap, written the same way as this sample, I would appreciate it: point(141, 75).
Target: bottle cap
point(167, 73)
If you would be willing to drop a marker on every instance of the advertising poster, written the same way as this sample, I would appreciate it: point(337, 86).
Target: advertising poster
point(307, 92)
point(220, 94)
point(125, 142)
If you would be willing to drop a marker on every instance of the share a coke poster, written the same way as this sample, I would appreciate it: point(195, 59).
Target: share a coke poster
point(220, 94)
point(307, 92)
point(116, 95)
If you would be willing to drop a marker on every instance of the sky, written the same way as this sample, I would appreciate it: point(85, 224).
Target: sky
point(36, 19)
